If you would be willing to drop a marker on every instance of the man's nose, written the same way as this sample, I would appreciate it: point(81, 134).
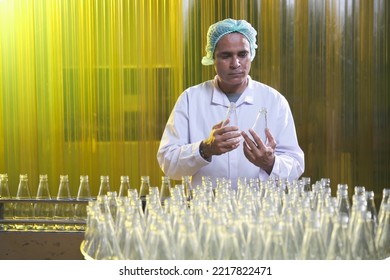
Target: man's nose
point(235, 63)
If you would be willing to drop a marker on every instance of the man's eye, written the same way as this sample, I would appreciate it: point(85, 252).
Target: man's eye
point(243, 54)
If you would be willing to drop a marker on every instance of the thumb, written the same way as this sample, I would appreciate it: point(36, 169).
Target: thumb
point(220, 124)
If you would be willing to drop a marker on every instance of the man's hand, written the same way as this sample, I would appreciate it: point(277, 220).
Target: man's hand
point(222, 139)
point(257, 152)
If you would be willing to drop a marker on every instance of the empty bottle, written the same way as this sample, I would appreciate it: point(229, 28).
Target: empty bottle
point(186, 182)
point(382, 240)
point(313, 247)
point(124, 187)
point(83, 194)
point(231, 116)
point(23, 210)
point(261, 124)
point(104, 185)
point(362, 238)
point(64, 210)
point(5, 194)
point(371, 207)
point(144, 188)
point(43, 210)
point(6, 209)
point(384, 201)
point(343, 204)
point(165, 188)
point(4, 189)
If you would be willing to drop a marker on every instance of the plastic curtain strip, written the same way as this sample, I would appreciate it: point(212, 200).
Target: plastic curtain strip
point(87, 86)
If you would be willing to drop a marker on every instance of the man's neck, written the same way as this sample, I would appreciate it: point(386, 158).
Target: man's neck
point(236, 89)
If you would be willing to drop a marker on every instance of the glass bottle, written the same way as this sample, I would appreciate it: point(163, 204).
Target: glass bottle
point(43, 210)
point(23, 210)
point(125, 186)
point(64, 210)
point(261, 124)
point(362, 239)
point(384, 201)
point(371, 207)
point(343, 204)
point(4, 189)
point(165, 188)
point(274, 246)
point(360, 190)
point(83, 194)
point(339, 246)
point(231, 116)
point(306, 184)
point(313, 247)
point(144, 189)
point(6, 209)
point(104, 185)
point(134, 246)
point(186, 182)
point(382, 240)
point(84, 191)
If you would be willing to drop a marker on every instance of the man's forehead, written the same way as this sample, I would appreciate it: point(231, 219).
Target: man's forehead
point(232, 42)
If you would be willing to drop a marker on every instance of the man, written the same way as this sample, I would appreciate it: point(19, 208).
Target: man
point(196, 140)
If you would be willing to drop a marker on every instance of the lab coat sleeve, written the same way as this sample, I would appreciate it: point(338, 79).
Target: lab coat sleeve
point(176, 156)
point(289, 157)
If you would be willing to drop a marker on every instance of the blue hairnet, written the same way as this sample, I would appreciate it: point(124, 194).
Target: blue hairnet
point(218, 30)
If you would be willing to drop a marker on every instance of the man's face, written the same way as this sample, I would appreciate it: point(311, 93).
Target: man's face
point(232, 60)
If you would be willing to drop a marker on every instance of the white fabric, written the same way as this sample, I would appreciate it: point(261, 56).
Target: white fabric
point(200, 107)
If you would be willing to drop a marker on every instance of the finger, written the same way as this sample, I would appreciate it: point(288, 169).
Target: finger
point(257, 139)
point(248, 141)
point(226, 129)
point(218, 125)
point(225, 122)
point(271, 140)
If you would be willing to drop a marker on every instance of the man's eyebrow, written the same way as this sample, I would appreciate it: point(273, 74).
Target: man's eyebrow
point(229, 52)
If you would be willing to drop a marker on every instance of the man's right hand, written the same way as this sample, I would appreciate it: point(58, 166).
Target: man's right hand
point(222, 139)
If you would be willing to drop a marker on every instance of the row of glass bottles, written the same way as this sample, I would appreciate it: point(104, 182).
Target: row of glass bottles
point(42, 209)
point(259, 220)
point(40, 206)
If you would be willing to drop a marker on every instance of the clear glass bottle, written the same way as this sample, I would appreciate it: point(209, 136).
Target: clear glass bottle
point(231, 116)
point(261, 124)
point(125, 186)
point(362, 238)
point(371, 207)
point(186, 182)
point(23, 210)
point(343, 203)
point(165, 191)
point(339, 246)
point(4, 189)
point(384, 201)
point(84, 191)
point(83, 194)
point(144, 188)
point(382, 240)
point(43, 210)
point(104, 185)
point(6, 209)
point(313, 247)
point(64, 210)
point(360, 190)
point(306, 184)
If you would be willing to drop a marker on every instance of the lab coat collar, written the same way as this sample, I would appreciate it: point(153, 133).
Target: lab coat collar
point(220, 98)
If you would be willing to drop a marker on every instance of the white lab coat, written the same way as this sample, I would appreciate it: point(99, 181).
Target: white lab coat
point(202, 106)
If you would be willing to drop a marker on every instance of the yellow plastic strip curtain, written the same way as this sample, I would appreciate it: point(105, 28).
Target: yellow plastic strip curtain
point(87, 86)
